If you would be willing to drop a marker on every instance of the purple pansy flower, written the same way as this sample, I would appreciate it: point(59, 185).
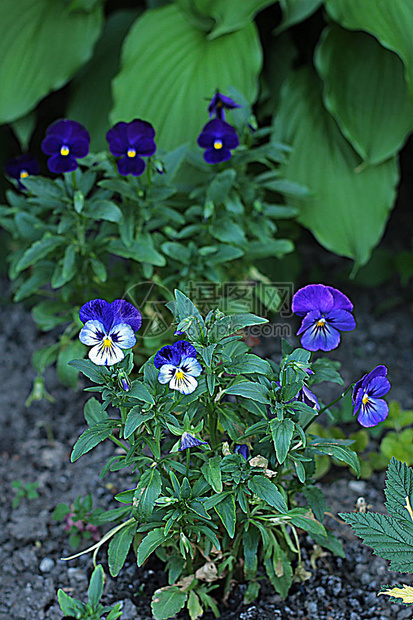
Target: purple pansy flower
point(326, 312)
point(108, 329)
point(189, 441)
point(218, 138)
point(242, 449)
point(66, 141)
point(368, 395)
point(219, 103)
point(131, 141)
point(178, 366)
point(22, 167)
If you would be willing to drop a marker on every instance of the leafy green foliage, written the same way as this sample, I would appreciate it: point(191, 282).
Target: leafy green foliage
point(391, 537)
point(29, 30)
point(23, 490)
point(93, 609)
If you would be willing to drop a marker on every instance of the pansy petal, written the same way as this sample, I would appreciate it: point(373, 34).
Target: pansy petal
point(309, 321)
point(340, 300)
point(205, 140)
point(123, 336)
point(137, 129)
point(379, 371)
point(185, 384)
point(325, 339)
point(379, 387)
point(125, 312)
point(376, 411)
point(167, 355)
point(145, 146)
point(62, 163)
point(92, 333)
point(312, 297)
point(358, 386)
point(243, 450)
point(189, 441)
point(51, 145)
point(216, 156)
point(98, 309)
point(184, 349)
point(102, 355)
point(131, 165)
point(341, 319)
point(190, 366)
point(166, 373)
point(309, 398)
point(80, 148)
point(231, 140)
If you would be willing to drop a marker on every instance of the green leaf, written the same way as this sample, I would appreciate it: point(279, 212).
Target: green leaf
point(195, 608)
point(267, 491)
point(356, 71)
point(95, 590)
point(90, 438)
point(248, 389)
point(248, 364)
point(23, 129)
point(68, 375)
point(227, 513)
point(167, 602)
point(282, 432)
point(39, 250)
point(90, 98)
point(167, 60)
point(385, 535)
point(324, 161)
point(69, 605)
point(140, 391)
point(99, 269)
point(93, 412)
point(28, 32)
point(338, 451)
point(325, 370)
point(220, 186)
point(230, 15)
point(316, 501)
point(146, 494)
point(399, 486)
point(306, 522)
point(390, 21)
point(135, 419)
point(212, 473)
point(119, 547)
point(279, 570)
point(250, 540)
point(295, 11)
point(104, 210)
point(139, 251)
point(89, 369)
point(152, 541)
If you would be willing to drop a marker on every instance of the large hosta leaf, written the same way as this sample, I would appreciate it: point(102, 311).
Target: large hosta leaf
point(90, 92)
point(366, 92)
point(230, 15)
point(170, 68)
point(295, 11)
point(391, 21)
point(349, 207)
point(42, 45)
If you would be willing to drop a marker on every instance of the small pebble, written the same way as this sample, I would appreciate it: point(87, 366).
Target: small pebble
point(46, 565)
point(357, 485)
point(76, 574)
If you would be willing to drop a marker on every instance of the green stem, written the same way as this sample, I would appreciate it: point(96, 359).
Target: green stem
point(188, 457)
point(74, 181)
point(118, 442)
point(212, 426)
point(333, 402)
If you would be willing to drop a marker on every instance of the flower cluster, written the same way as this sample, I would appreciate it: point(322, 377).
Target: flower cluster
point(178, 366)
point(108, 329)
point(22, 167)
point(131, 141)
point(218, 137)
point(66, 141)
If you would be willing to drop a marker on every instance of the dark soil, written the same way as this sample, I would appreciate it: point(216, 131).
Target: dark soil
point(35, 446)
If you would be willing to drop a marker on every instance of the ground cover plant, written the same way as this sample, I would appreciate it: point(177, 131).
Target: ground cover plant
point(218, 439)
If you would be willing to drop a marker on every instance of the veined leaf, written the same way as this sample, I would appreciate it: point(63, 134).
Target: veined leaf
point(266, 490)
point(29, 30)
point(168, 61)
point(325, 162)
point(230, 15)
point(282, 432)
point(390, 21)
point(119, 547)
point(248, 389)
point(91, 438)
point(152, 541)
point(226, 512)
point(338, 450)
point(356, 71)
point(167, 602)
point(403, 592)
point(399, 486)
point(295, 11)
point(147, 492)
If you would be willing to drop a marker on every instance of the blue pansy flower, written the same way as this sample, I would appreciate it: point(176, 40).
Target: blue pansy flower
point(108, 329)
point(219, 103)
point(219, 138)
point(189, 441)
point(368, 395)
point(242, 449)
point(326, 312)
point(22, 167)
point(66, 141)
point(131, 141)
point(178, 366)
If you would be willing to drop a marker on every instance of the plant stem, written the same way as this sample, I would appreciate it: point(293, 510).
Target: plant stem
point(118, 442)
point(333, 402)
point(212, 425)
point(188, 457)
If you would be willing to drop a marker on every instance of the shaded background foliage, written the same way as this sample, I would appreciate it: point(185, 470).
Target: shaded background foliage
point(334, 77)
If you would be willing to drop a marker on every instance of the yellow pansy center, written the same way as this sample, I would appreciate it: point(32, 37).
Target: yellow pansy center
point(365, 399)
point(64, 150)
point(131, 153)
point(321, 322)
point(107, 342)
point(179, 375)
point(24, 174)
point(218, 144)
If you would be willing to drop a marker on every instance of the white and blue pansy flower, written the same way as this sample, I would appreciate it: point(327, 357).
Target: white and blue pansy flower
point(189, 441)
point(109, 329)
point(178, 366)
